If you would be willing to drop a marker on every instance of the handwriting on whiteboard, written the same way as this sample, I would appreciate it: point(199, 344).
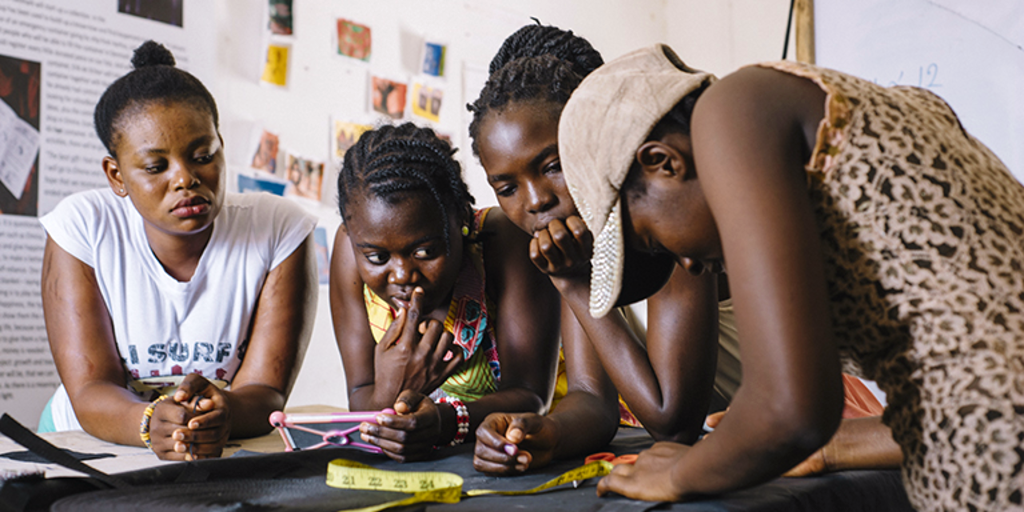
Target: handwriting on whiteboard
point(924, 76)
point(19, 143)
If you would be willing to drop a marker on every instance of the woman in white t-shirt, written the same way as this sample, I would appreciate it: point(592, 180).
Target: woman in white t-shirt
point(177, 314)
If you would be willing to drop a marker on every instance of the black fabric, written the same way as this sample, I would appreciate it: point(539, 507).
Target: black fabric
point(27, 456)
point(25, 437)
point(296, 481)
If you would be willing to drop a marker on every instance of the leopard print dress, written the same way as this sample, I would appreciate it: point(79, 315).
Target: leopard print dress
point(923, 233)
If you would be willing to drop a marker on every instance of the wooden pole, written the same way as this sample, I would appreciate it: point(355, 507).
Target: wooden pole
point(804, 14)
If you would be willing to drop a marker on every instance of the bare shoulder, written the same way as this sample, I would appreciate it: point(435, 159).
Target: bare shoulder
point(507, 254)
point(500, 235)
point(756, 99)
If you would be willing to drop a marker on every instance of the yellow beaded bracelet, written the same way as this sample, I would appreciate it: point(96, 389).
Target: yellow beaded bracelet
point(146, 417)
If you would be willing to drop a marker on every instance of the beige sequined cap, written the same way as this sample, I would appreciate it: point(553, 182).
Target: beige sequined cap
point(605, 121)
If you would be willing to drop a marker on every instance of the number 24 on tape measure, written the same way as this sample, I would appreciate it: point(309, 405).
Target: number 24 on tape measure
point(435, 486)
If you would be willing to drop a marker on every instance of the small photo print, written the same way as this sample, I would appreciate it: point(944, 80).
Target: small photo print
point(354, 40)
point(345, 135)
point(426, 101)
point(323, 256)
point(280, 21)
point(164, 11)
point(388, 97)
point(433, 58)
point(20, 84)
point(305, 177)
point(275, 69)
point(265, 158)
point(261, 184)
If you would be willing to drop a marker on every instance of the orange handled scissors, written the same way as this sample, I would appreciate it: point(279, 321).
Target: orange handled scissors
point(628, 458)
point(615, 460)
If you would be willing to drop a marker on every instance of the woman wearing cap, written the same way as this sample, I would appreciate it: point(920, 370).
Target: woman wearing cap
point(663, 375)
point(854, 221)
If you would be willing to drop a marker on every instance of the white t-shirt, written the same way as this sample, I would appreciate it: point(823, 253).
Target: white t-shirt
point(165, 328)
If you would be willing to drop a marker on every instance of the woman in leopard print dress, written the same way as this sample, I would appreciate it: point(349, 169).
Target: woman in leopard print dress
point(859, 224)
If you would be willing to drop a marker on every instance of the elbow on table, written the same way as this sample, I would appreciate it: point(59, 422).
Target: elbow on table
point(803, 433)
point(673, 433)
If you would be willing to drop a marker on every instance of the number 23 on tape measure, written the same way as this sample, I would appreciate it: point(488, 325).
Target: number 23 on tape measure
point(435, 486)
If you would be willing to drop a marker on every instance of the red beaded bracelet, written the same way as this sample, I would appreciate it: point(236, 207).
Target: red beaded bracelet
point(461, 419)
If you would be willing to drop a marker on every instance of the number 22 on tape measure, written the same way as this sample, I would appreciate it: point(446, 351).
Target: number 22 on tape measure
point(434, 486)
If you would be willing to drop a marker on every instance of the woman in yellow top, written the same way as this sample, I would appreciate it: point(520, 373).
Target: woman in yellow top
point(417, 281)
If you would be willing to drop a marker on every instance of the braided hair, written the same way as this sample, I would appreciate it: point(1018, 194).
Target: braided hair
point(154, 79)
point(543, 78)
point(537, 62)
point(390, 162)
point(534, 40)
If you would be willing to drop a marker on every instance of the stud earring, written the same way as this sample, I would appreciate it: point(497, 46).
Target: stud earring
point(465, 230)
point(122, 191)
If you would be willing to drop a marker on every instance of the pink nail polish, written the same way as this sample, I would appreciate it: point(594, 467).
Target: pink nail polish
point(511, 449)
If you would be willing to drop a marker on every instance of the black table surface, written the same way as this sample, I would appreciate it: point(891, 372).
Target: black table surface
point(296, 481)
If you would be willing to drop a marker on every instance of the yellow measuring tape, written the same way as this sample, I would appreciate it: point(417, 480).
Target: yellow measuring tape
point(434, 486)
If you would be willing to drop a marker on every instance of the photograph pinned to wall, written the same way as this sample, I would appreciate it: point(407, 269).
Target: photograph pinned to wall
point(280, 17)
point(19, 136)
point(426, 101)
point(388, 97)
point(354, 40)
point(265, 156)
point(275, 68)
point(323, 255)
point(164, 11)
point(261, 184)
point(345, 135)
point(433, 58)
point(305, 177)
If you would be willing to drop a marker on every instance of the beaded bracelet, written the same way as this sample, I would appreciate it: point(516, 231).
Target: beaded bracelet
point(461, 419)
point(146, 417)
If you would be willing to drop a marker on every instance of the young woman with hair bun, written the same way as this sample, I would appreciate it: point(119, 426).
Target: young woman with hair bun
point(177, 314)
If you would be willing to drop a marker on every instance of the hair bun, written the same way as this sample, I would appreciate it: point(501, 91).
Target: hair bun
point(152, 53)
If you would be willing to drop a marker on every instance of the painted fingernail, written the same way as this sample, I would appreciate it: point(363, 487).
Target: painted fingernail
point(522, 459)
point(511, 449)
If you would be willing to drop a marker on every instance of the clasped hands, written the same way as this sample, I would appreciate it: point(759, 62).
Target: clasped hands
point(193, 424)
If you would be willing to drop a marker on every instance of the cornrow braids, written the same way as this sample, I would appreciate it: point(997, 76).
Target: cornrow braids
point(535, 40)
point(390, 162)
point(154, 79)
point(544, 78)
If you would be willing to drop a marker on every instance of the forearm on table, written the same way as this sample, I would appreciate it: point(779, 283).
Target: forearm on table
point(862, 443)
point(666, 412)
point(510, 399)
point(585, 423)
point(109, 412)
point(749, 448)
point(250, 407)
point(374, 396)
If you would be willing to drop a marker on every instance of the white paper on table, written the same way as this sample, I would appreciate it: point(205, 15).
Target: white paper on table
point(19, 143)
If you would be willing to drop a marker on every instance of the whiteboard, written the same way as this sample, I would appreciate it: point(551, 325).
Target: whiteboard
point(969, 52)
